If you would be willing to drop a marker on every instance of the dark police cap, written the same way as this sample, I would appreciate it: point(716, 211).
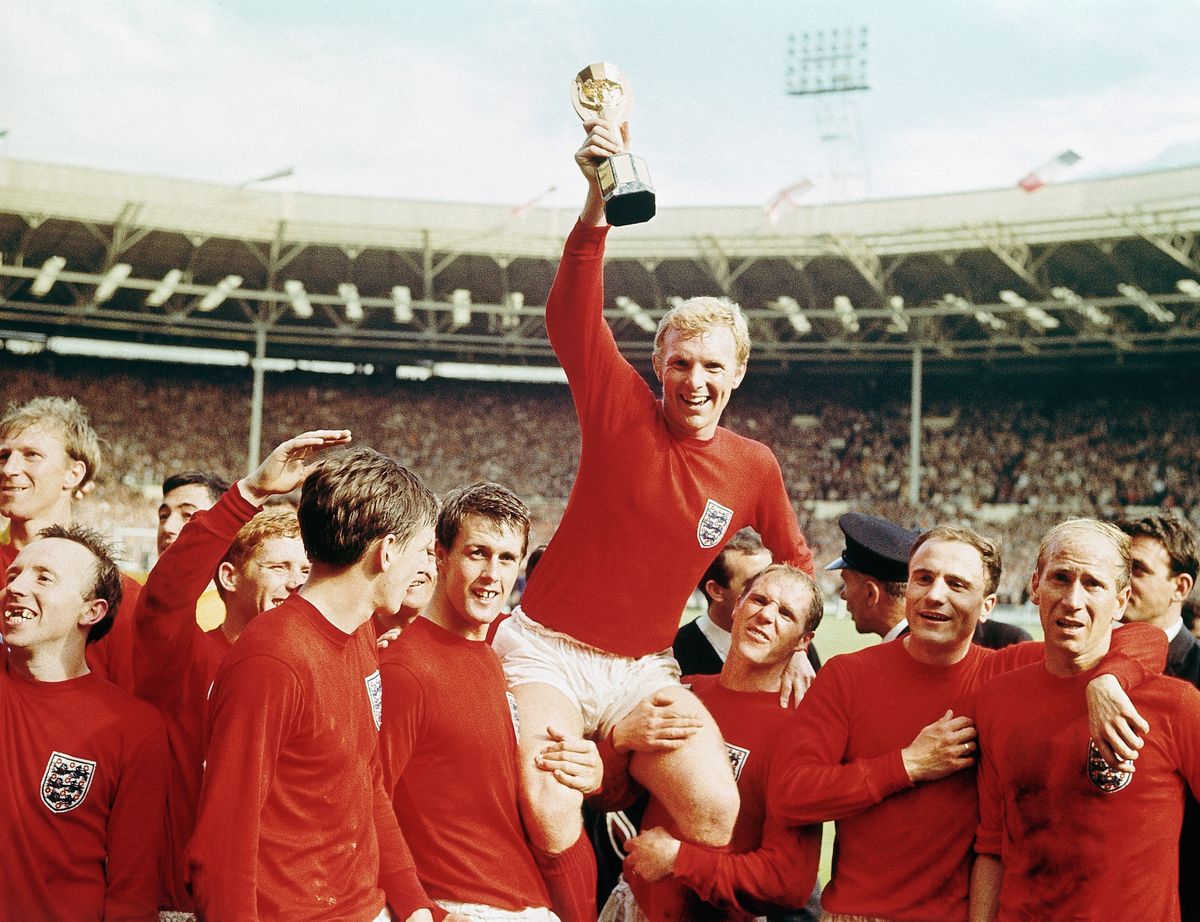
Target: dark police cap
point(875, 546)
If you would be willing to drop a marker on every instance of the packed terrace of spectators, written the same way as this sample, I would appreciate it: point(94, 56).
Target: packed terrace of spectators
point(1009, 455)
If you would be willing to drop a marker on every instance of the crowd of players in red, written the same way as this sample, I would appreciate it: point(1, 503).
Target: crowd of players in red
point(367, 734)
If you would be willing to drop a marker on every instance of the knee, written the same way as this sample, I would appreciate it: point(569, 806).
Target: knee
point(711, 823)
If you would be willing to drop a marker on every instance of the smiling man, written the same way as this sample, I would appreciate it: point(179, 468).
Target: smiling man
point(49, 455)
point(259, 560)
point(660, 487)
point(84, 763)
point(1061, 836)
point(449, 739)
point(883, 743)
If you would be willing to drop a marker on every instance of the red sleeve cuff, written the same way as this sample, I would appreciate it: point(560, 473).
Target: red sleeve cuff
point(406, 895)
point(229, 514)
point(586, 240)
point(885, 775)
point(987, 843)
point(695, 863)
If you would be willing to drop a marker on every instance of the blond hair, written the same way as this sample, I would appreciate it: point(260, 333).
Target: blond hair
point(697, 316)
point(1064, 532)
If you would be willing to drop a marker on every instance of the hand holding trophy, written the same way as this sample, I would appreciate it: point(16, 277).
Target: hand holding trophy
point(601, 91)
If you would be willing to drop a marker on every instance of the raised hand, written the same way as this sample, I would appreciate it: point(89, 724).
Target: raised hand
point(286, 467)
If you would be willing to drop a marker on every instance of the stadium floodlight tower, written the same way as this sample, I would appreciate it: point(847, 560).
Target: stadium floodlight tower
point(830, 66)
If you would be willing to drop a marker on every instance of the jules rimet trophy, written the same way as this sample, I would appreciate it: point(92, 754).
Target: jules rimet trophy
point(602, 91)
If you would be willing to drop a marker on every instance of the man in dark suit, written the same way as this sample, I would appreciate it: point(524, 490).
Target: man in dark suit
point(1163, 571)
point(1163, 575)
point(997, 634)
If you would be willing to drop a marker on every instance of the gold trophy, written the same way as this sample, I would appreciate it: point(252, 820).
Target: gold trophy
point(602, 91)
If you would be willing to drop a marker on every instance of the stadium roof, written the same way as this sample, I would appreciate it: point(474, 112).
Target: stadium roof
point(1095, 271)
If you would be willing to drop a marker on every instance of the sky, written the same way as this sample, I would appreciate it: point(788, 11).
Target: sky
point(468, 100)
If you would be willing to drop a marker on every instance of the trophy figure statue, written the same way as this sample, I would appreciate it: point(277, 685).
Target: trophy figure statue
point(602, 91)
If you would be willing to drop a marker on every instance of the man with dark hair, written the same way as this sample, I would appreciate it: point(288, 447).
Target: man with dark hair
point(293, 820)
point(185, 494)
point(84, 763)
point(1163, 568)
point(1061, 835)
point(660, 485)
point(259, 561)
point(884, 744)
point(700, 646)
point(446, 706)
point(1163, 574)
point(767, 867)
point(49, 455)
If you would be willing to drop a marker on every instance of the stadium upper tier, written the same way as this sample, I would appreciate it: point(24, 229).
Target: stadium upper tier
point(1080, 270)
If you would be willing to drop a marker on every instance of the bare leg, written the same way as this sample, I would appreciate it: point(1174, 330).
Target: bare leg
point(694, 782)
point(551, 810)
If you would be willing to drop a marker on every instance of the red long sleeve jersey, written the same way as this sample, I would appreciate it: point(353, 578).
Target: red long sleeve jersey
point(655, 508)
point(176, 663)
point(767, 867)
point(840, 759)
point(84, 767)
point(449, 751)
point(1076, 841)
point(293, 821)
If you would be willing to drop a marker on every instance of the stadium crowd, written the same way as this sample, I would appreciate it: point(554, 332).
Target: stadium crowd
point(1040, 457)
point(368, 733)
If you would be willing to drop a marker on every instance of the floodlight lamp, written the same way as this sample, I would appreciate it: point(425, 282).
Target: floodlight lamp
point(1189, 287)
point(44, 280)
point(645, 322)
point(166, 288)
point(1012, 299)
point(460, 312)
point(111, 282)
point(348, 292)
point(799, 323)
point(220, 292)
point(402, 304)
point(301, 306)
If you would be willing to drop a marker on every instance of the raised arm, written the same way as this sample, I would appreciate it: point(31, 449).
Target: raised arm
point(165, 621)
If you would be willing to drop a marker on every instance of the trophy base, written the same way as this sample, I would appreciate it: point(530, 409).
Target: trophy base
point(628, 194)
point(629, 206)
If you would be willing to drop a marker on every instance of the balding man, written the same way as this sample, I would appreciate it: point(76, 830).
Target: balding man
point(1061, 835)
point(883, 742)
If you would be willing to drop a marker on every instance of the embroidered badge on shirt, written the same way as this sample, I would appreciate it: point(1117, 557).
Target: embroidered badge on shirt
point(375, 695)
point(713, 524)
point(1104, 778)
point(66, 781)
point(737, 759)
